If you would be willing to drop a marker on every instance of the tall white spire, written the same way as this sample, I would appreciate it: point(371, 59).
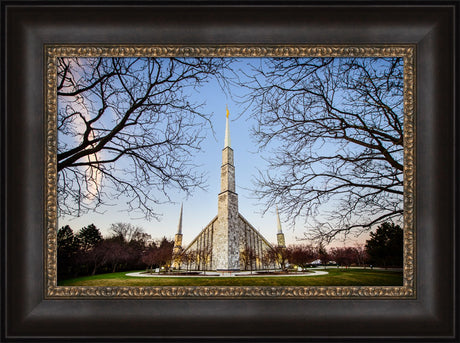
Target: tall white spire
point(280, 234)
point(227, 131)
point(179, 228)
point(226, 231)
point(279, 221)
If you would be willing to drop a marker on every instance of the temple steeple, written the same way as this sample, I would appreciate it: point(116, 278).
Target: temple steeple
point(227, 175)
point(223, 243)
point(179, 227)
point(227, 132)
point(280, 234)
point(226, 252)
point(178, 238)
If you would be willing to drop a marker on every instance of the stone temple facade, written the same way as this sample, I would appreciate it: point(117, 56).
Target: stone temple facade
point(229, 242)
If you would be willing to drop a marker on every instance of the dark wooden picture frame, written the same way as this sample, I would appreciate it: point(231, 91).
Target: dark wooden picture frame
point(27, 313)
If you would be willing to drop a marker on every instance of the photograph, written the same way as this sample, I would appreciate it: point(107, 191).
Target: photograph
point(231, 171)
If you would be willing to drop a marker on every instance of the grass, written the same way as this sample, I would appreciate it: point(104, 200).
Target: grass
point(336, 277)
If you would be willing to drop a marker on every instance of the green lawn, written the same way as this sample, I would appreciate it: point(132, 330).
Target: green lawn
point(336, 277)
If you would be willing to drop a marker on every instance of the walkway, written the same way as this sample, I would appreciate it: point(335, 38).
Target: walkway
point(239, 274)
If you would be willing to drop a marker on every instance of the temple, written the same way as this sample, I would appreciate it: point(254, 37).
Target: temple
point(229, 242)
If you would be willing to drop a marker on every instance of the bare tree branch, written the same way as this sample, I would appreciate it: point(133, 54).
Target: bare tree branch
point(128, 129)
point(333, 130)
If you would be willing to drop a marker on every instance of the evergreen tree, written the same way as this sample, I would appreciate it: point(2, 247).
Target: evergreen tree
point(89, 237)
point(67, 248)
point(385, 248)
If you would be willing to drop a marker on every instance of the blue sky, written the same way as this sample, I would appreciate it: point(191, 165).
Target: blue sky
point(201, 207)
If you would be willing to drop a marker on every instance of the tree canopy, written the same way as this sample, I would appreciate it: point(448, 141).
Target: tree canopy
point(385, 247)
point(89, 236)
point(333, 128)
point(88, 253)
point(127, 128)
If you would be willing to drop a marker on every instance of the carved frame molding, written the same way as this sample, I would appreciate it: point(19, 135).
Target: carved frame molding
point(407, 291)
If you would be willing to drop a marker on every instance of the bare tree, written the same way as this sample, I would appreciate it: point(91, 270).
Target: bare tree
point(117, 252)
point(204, 256)
point(96, 256)
point(248, 256)
point(322, 254)
point(361, 255)
point(149, 257)
point(281, 256)
point(269, 259)
point(129, 232)
point(189, 258)
point(335, 127)
point(164, 253)
point(128, 129)
point(344, 256)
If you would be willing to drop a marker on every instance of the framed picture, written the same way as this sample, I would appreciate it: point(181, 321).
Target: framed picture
point(81, 116)
point(44, 45)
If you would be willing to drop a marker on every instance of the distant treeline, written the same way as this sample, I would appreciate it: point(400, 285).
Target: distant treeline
point(383, 249)
point(128, 248)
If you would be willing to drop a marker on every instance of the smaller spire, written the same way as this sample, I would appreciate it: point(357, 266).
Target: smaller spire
point(179, 229)
point(279, 221)
point(227, 131)
point(280, 235)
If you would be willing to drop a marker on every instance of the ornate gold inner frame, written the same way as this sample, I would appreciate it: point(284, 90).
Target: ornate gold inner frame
point(407, 291)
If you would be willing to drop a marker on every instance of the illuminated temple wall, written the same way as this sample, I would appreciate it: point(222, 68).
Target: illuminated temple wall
point(205, 253)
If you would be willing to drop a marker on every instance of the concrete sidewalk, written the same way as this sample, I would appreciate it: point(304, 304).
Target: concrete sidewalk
point(236, 274)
